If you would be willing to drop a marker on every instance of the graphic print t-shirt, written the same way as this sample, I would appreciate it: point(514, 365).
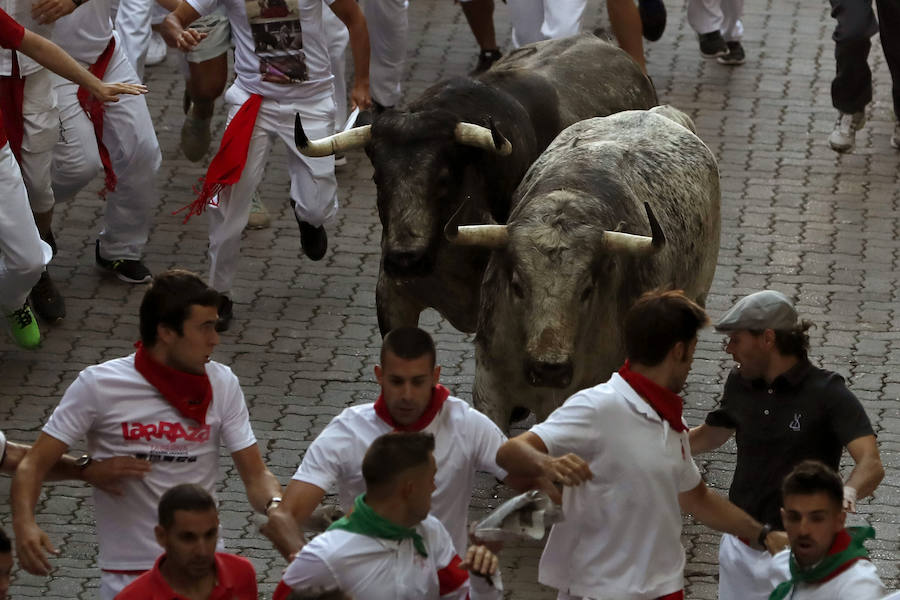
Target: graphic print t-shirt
point(279, 46)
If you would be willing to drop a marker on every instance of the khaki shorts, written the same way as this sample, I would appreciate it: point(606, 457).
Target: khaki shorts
point(218, 38)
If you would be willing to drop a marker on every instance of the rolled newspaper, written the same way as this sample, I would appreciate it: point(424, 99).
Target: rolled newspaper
point(525, 516)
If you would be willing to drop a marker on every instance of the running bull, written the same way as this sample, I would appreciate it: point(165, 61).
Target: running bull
point(614, 207)
point(463, 146)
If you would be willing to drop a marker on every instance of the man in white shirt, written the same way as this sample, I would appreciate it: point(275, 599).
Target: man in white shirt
point(167, 404)
point(411, 400)
point(389, 547)
point(625, 442)
point(276, 81)
point(826, 561)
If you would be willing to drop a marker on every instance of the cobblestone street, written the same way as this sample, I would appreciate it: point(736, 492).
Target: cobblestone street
point(797, 217)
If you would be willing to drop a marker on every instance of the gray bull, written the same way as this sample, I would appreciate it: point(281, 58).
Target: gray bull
point(461, 148)
point(564, 272)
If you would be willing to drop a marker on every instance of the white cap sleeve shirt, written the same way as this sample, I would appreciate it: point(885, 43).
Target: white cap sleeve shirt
point(621, 536)
point(86, 32)
point(466, 441)
point(280, 50)
point(120, 413)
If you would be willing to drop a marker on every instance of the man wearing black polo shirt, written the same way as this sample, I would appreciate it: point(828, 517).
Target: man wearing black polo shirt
point(782, 410)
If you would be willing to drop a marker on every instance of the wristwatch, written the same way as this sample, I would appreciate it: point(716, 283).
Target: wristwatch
point(763, 534)
point(272, 503)
point(83, 461)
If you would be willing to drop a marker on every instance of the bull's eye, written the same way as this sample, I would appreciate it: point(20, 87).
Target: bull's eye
point(516, 288)
point(586, 294)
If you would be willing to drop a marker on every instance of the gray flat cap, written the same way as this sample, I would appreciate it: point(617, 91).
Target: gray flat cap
point(762, 310)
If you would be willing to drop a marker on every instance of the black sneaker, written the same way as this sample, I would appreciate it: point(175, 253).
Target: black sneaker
point(46, 300)
point(313, 240)
point(653, 18)
point(485, 60)
point(735, 55)
point(51, 241)
point(226, 313)
point(712, 44)
point(126, 269)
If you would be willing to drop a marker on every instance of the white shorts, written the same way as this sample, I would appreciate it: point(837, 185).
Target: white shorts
point(218, 37)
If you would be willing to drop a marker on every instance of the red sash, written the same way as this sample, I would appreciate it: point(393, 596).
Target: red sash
point(12, 97)
point(190, 394)
point(438, 395)
point(666, 403)
point(94, 110)
point(228, 163)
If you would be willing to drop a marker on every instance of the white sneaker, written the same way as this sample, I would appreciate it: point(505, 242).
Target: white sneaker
point(259, 214)
point(843, 138)
point(895, 139)
point(156, 51)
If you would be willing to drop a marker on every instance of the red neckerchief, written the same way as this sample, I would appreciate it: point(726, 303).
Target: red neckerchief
point(841, 542)
point(438, 395)
point(12, 96)
point(190, 394)
point(228, 163)
point(94, 110)
point(666, 403)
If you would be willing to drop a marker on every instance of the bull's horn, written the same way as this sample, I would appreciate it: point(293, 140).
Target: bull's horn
point(337, 143)
point(486, 236)
point(628, 243)
point(482, 137)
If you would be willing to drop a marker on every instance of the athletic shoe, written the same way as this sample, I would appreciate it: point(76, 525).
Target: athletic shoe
point(24, 328)
point(486, 59)
point(126, 269)
point(156, 51)
point(895, 139)
point(259, 214)
point(46, 300)
point(226, 313)
point(51, 241)
point(653, 18)
point(712, 44)
point(843, 138)
point(313, 240)
point(195, 137)
point(735, 55)
point(340, 160)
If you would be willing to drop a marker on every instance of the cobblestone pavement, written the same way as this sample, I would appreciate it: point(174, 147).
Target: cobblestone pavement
point(796, 217)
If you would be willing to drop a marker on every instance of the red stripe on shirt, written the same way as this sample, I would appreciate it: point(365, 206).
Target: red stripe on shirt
point(452, 577)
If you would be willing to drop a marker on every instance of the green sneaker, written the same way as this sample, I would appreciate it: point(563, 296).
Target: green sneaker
point(24, 327)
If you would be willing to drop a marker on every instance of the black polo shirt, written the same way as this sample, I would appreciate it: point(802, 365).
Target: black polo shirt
point(807, 413)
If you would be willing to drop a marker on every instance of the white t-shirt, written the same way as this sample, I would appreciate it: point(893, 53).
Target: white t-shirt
point(2, 447)
point(621, 537)
point(859, 582)
point(20, 10)
point(465, 441)
point(120, 413)
point(280, 50)
point(377, 569)
point(86, 32)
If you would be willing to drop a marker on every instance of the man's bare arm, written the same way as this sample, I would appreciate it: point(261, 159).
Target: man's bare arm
point(260, 483)
point(285, 524)
point(351, 15)
point(174, 28)
point(525, 457)
point(868, 472)
point(705, 438)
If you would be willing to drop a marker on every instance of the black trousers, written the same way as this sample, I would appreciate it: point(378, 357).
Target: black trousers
point(851, 89)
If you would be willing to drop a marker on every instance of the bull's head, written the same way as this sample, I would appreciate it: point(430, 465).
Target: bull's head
point(420, 175)
point(558, 273)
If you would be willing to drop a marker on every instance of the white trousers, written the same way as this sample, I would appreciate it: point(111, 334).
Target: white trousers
point(313, 184)
point(113, 583)
point(388, 25)
point(129, 137)
point(132, 23)
point(337, 37)
point(41, 130)
point(22, 253)
point(538, 20)
point(724, 16)
point(745, 573)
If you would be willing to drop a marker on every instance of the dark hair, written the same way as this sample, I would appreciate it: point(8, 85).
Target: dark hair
point(317, 594)
point(185, 496)
point(408, 343)
point(5, 545)
point(812, 477)
point(168, 302)
point(794, 341)
point(393, 453)
point(659, 320)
